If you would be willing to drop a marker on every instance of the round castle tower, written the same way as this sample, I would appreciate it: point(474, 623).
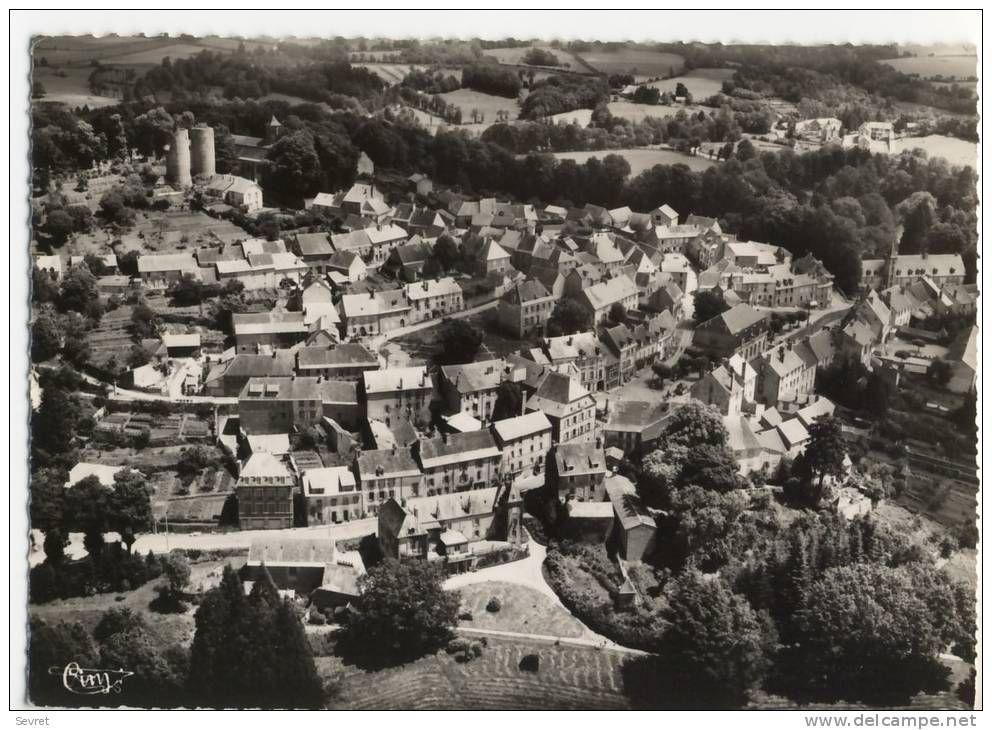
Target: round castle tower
point(203, 151)
point(177, 161)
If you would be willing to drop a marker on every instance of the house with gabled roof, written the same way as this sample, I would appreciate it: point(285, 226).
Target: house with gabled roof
point(406, 261)
point(729, 387)
point(343, 361)
point(634, 527)
point(445, 529)
point(332, 495)
point(386, 474)
point(664, 215)
point(434, 298)
point(524, 442)
point(227, 379)
point(578, 471)
point(783, 374)
point(458, 462)
point(634, 426)
point(345, 267)
point(397, 393)
point(306, 568)
point(741, 330)
point(568, 405)
point(599, 298)
point(265, 493)
point(472, 387)
point(254, 332)
point(525, 308)
point(314, 249)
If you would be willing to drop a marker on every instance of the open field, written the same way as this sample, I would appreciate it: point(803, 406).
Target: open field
point(467, 100)
point(637, 112)
point(955, 151)
point(641, 62)
point(66, 67)
point(515, 56)
point(393, 73)
point(702, 83)
point(569, 677)
point(69, 86)
point(582, 117)
point(523, 609)
point(948, 66)
point(642, 159)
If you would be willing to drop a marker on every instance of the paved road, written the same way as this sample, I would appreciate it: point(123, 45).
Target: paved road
point(590, 642)
point(122, 394)
point(236, 539)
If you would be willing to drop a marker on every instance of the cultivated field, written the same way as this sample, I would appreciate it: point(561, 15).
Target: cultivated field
point(643, 63)
point(955, 151)
point(641, 160)
point(515, 56)
point(66, 70)
point(702, 83)
point(949, 66)
point(569, 677)
point(69, 86)
point(637, 112)
point(490, 105)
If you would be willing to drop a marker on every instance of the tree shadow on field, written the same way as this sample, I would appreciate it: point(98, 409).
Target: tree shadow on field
point(654, 683)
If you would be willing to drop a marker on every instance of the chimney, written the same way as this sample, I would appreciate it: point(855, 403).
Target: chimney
point(781, 353)
point(599, 442)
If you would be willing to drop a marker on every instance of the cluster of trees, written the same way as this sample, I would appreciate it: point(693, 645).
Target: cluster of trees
point(696, 451)
point(849, 383)
point(121, 638)
point(568, 318)
point(757, 602)
point(55, 222)
point(69, 309)
point(403, 612)
point(310, 157)
point(431, 82)
point(248, 651)
point(61, 141)
point(491, 78)
point(260, 635)
point(540, 57)
point(564, 93)
point(336, 83)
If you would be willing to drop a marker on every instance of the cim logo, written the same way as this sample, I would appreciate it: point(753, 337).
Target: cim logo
point(82, 681)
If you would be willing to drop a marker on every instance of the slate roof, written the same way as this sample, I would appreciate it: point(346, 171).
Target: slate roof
point(457, 448)
point(510, 429)
point(525, 291)
point(627, 505)
point(394, 463)
point(475, 376)
point(607, 293)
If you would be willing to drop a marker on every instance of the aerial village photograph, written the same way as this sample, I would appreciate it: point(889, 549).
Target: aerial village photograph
point(409, 372)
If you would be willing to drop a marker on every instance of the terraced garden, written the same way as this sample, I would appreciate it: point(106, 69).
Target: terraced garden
point(569, 678)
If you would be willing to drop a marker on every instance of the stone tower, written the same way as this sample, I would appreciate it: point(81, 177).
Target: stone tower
point(177, 161)
point(203, 162)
